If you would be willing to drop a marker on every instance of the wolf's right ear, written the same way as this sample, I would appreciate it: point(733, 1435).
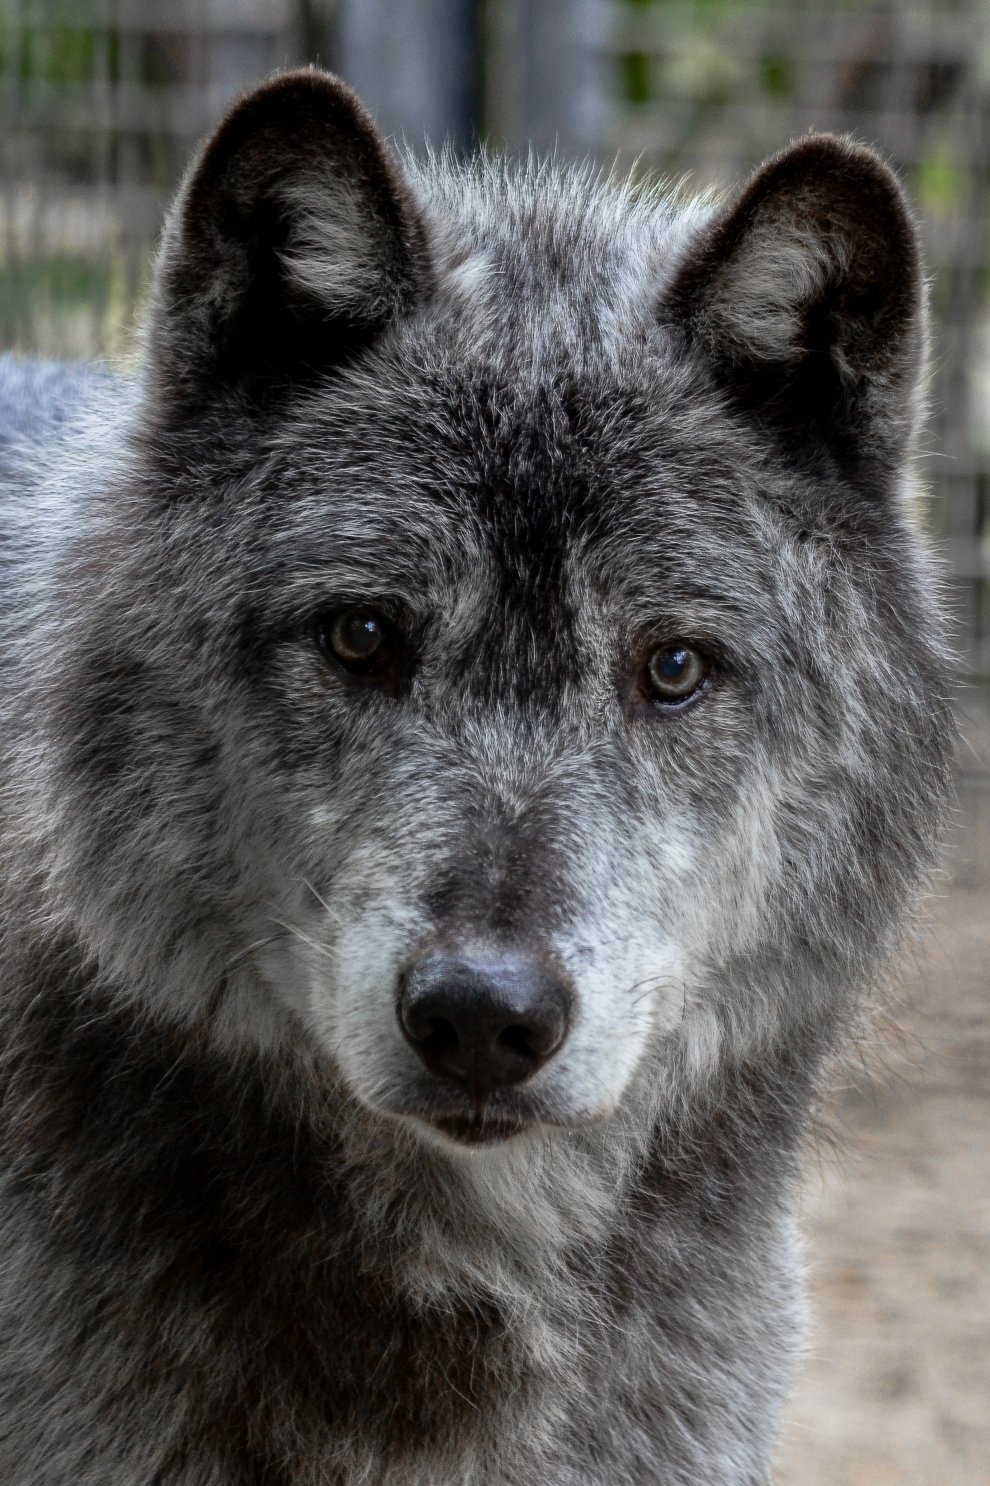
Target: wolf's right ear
point(293, 241)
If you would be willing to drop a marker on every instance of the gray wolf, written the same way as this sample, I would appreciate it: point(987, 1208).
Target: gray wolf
point(475, 730)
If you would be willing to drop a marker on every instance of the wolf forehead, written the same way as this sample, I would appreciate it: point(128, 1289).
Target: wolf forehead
point(439, 371)
point(454, 462)
point(555, 266)
point(533, 389)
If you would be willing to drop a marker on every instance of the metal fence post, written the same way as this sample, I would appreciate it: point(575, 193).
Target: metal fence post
point(414, 62)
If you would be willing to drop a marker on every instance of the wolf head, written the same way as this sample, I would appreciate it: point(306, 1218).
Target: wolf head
point(502, 666)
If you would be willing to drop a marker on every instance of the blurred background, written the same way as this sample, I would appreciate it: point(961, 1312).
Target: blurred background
point(101, 102)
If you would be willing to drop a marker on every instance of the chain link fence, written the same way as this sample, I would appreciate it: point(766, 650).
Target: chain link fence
point(101, 102)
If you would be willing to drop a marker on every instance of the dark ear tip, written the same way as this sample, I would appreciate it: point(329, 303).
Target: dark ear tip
point(848, 177)
point(315, 79)
point(302, 98)
point(297, 85)
point(830, 152)
point(305, 115)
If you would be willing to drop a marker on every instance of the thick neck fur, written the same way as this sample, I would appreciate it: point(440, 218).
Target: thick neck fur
point(347, 1303)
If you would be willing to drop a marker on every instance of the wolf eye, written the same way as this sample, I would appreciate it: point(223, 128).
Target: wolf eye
point(356, 639)
point(676, 673)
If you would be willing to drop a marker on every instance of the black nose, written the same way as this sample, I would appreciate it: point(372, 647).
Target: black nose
point(484, 1023)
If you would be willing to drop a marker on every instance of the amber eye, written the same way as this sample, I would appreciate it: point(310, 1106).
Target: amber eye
point(357, 639)
point(676, 672)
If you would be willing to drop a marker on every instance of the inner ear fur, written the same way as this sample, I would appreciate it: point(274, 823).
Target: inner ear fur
point(294, 239)
point(806, 298)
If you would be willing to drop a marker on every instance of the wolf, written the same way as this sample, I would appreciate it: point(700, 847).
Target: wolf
point(475, 733)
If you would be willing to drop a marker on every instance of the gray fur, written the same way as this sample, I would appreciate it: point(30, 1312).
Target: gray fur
point(546, 423)
point(37, 398)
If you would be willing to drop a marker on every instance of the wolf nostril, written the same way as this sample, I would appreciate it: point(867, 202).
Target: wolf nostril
point(484, 1023)
point(441, 1039)
point(529, 1042)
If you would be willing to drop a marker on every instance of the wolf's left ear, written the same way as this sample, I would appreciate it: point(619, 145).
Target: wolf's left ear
point(806, 299)
point(293, 241)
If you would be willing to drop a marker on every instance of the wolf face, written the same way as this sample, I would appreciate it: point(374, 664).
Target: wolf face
point(523, 697)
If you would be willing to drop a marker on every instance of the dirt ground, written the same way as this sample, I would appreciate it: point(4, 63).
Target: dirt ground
point(896, 1386)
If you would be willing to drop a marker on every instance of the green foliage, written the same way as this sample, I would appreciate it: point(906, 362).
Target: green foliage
point(939, 182)
point(693, 57)
point(55, 44)
point(65, 303)
point(634, 73)
point(779, 75)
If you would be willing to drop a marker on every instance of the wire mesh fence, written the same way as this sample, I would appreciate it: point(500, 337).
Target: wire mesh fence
point(101, 102)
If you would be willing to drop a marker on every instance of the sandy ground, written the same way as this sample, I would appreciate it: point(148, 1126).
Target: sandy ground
point(896, 1386)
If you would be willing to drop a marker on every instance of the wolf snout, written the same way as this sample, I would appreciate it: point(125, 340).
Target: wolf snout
point(484, 1023)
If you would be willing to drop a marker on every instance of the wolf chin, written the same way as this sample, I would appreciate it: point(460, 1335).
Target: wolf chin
point(475, 729)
